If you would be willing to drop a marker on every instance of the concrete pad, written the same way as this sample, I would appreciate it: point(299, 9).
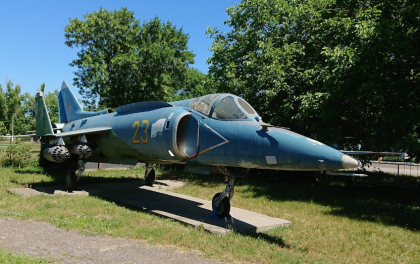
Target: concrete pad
point(158, 200)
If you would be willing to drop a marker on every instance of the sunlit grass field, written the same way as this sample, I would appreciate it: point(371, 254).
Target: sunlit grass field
point(332, 223)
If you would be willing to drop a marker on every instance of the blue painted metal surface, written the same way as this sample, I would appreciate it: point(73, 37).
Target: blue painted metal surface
point(214, 130)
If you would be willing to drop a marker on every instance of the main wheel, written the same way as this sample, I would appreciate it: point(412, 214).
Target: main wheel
point(71, 180)
point(150, 177)
point(223, 209)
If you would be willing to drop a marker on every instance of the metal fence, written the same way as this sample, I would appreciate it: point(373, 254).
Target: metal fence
point(397, 174)
point(394, 168)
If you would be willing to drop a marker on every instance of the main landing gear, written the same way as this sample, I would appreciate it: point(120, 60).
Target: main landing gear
point(149, 175)
point(221, 201)
point(73, 176)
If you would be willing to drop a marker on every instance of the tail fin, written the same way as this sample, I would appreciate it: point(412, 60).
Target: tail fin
point(43, 122)
point(69, 108)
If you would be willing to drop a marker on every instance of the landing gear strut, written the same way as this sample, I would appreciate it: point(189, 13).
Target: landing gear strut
point(149, 175)
point(221, 201)
point(72, 177)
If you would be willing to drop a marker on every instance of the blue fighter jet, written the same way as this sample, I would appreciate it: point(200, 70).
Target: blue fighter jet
point(217, 130)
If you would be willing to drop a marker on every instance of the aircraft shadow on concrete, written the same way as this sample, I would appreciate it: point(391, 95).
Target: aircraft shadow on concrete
point(169, 203)
point(185, 209)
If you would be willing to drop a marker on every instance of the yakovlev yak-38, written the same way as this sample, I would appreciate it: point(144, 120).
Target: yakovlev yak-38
point(216, 130)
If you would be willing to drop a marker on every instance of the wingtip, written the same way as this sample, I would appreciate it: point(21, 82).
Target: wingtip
point(64, 85)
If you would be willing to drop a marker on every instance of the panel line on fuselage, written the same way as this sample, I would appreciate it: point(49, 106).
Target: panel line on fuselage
point(212, 147)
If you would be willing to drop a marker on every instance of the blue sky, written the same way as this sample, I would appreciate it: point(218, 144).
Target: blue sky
point(32, 49)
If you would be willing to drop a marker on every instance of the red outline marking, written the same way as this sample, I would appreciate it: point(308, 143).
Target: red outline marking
point(215, 146)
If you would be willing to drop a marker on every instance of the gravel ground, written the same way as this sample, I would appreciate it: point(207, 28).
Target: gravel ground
point(46, 241)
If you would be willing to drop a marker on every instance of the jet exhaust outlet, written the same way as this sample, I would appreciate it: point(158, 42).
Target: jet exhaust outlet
point(56, 154)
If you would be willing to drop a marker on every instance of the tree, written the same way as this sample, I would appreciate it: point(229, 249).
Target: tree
point(51, 101)
point(195, 85)
point(42, 89)
point(122, 61)
point(3, 129)
point(3, 105)
point(13, 100)
point(326, 68)
point(25, 115)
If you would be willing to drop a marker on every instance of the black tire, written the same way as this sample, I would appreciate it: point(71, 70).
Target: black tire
point(150, 177)
point(71, 180)
point(223, 209)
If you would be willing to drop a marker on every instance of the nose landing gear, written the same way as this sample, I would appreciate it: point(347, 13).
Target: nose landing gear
point(221, 201)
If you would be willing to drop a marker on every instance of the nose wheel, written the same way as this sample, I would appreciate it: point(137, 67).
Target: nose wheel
point(221, 201)
point(223, 209)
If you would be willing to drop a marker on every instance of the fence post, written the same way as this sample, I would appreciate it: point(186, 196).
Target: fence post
point(398, 175)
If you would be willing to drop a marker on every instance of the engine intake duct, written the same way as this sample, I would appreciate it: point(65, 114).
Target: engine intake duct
point(80, 149)
point(56, 154)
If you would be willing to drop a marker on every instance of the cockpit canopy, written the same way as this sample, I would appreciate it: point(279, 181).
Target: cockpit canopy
point(225, 107)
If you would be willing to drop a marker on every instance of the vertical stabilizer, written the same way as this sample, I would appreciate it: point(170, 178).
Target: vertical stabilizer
point(69, 108)
point(43, 122)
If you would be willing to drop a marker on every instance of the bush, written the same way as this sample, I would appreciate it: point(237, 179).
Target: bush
point(16, 155)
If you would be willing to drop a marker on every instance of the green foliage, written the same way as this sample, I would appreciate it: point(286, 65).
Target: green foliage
point(330, 68)
point(13, 99)
point(122, 61)
point(51, 101)
point(25, 116)
point(3, 105)
point(42, 87)
point(19, 110)
point(195, 85)
point(8, 257)
point(16, 155)
point(3, 129)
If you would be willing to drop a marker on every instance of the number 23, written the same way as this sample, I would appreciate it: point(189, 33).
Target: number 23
point(144, 140)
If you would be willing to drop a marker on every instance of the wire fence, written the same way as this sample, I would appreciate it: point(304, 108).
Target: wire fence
point(392, 174)
point(394, 168)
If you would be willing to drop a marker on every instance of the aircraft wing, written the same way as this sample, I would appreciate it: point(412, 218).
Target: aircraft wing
point(82, 132)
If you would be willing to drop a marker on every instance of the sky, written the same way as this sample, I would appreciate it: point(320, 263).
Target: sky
point(32, 49)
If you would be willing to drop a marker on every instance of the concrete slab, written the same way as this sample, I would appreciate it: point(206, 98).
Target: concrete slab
point(158, 200)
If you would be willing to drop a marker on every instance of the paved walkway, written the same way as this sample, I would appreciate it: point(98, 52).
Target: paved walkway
point(43, 240)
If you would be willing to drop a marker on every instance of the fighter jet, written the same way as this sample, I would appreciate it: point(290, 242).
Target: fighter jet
point(218, 131)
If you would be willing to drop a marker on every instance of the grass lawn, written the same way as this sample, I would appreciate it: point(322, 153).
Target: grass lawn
point(332, 223)
point(7, 257)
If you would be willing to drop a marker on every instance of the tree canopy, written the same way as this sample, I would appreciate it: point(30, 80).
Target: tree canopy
point(326, 68)
point(122, 60)
point(21, 108)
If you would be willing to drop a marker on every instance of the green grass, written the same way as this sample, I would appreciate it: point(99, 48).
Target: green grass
point(7, 257)
point(332, 223)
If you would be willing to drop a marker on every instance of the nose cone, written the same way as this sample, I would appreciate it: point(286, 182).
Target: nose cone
point(286, 150)
point(349, 162)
